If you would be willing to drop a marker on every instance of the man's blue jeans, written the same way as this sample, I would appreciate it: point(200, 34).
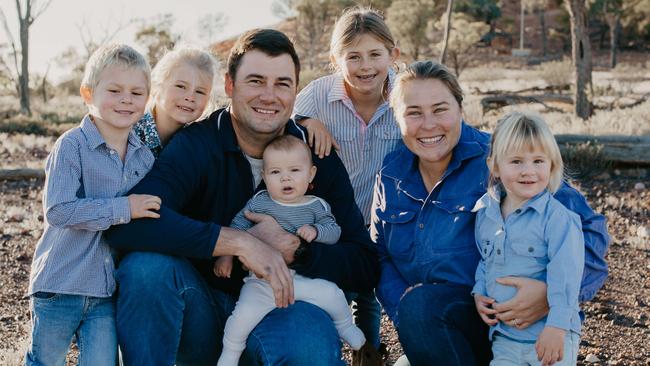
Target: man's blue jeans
point(167, 314)
point(57, 318)
point(438, 325)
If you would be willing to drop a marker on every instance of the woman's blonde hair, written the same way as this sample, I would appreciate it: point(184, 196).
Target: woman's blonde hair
point(355, 22)
point(202, 60)
point(521, 131)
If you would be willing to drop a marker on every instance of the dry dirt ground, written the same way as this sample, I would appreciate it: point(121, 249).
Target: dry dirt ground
point(616, 331)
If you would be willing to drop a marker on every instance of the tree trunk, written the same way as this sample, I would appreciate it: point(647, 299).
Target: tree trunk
point(542, 23)
point(23, 79)
point(614, 26)
point(445, 42)
point(581, 55)
point(521, 26)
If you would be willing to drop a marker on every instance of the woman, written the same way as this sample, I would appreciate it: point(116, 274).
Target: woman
point(423, 224)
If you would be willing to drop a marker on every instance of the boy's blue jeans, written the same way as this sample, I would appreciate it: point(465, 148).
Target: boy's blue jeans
point(167, 313)
point(508, 352)
point(438, 325)
point(57, 318)
point(367, 314)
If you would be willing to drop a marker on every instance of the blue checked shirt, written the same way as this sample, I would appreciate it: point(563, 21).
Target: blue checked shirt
point(84, 188)
point(363, 147)
point(541, 240)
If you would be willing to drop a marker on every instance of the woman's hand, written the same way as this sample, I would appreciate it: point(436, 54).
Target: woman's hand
point(484, 308)
point(527, 306)
point(319, 137)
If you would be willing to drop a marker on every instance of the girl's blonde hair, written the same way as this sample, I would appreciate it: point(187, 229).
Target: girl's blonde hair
point(202, 60)
point(355, 22)
point(521, 131)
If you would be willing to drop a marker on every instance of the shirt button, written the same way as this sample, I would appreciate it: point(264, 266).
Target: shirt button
point(498, 251)
point(392, 216)
point(421, 226)
point(112, 152)
point(485, 251)
point(531, 249)
point(518, 211)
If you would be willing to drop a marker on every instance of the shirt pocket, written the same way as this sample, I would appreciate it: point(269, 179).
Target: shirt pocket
point(530, 259)
point(398, 233)
point(455, 223)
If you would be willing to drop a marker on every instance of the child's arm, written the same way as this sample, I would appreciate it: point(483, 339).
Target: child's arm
point(223, 266)
point(328, 231)
point(64, 200)
point(563, 234)
point(319, 137)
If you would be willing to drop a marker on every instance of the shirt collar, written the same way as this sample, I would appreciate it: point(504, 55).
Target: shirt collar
point(338, 93)
point(90, 131)
point(491, 200)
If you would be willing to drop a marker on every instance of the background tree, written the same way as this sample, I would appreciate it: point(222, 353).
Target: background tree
point(464, 35)
point(539, 7)
point(156, 36)
point(408, 21)
point(445, 38)
point(27, 11)
point(210, 25)
point(487, 11)
point(581, 57)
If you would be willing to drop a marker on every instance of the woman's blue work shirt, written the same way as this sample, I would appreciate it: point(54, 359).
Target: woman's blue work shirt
point(427, 237)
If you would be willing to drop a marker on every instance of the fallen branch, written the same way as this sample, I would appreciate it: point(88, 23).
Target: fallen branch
point(21, 174)
point(616, 149)
point(500, 101)
point(616, 104)
point(546, 89)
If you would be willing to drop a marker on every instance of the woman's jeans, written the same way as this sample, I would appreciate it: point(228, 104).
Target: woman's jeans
point(167, 314)
point(439, 325)
point(57, 318)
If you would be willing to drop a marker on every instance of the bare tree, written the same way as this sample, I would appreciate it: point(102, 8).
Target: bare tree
point(211, 24)
point(581, 57)
point(28, 11)
point(464, 35)
point(445, 39)
point(157, 36)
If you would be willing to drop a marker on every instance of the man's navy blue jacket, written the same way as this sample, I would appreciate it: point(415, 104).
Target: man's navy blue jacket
point(204, 179)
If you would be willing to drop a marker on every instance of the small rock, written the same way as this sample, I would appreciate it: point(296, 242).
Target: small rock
point(643, 232)
point(591, 358)
point(639, 186)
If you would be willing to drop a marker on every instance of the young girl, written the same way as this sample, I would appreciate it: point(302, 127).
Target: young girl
point(349, 110)
point(181, 92)
point(521, 230)
point(287, 172)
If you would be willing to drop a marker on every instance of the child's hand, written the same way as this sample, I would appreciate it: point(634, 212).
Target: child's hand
point(223, 266)
point(484, 308)
point(307, 232)
point(550, 346)
point(144, 205)
point(319, 137)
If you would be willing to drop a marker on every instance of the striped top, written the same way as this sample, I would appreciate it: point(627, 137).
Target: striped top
point(315, 211)
point(84, 187)
point(363, 147)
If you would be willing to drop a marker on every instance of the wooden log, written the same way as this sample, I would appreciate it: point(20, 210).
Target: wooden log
point(21, 174)
point(634, 150)
point(499, 101)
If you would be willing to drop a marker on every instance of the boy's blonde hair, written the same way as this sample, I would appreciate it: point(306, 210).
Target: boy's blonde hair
point(110, 55)
point(520, 131)
point(202, 60)
point(355, 22)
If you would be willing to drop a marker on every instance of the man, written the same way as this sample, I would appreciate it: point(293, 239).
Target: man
point(171, 308)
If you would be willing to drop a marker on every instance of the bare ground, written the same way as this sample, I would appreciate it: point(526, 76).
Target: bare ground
point(616, 331)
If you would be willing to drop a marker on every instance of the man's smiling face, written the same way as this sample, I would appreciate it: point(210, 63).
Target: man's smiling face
point(263, 93)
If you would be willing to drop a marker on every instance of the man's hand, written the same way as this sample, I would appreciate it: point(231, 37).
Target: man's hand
point(144, 205)
point(527, 306)
point(484, 308)
point(307, 232)
point(268, 231)
point(263, 260)
point(550, 346)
